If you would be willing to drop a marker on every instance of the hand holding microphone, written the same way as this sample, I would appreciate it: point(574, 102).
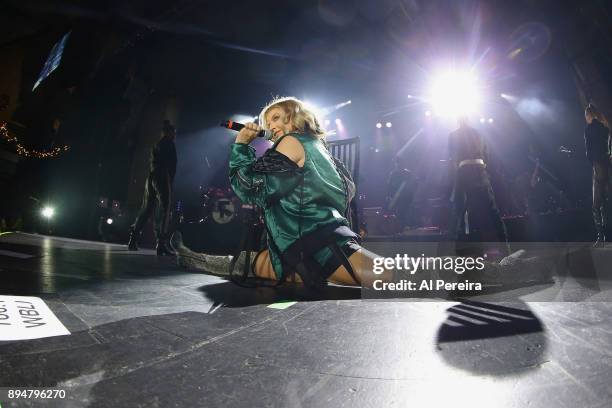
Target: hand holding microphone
point(247, 132)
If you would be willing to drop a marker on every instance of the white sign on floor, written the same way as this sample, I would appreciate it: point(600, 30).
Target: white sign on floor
point(26, 317)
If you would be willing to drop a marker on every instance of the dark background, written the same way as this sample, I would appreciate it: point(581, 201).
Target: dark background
point(128, 65)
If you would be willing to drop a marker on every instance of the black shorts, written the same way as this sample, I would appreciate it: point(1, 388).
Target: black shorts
point(332, 263)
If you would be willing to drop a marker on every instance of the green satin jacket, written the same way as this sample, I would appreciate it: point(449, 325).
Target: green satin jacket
point(296, 201)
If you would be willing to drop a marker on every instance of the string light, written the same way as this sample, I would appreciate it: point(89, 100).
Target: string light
point(23, 151)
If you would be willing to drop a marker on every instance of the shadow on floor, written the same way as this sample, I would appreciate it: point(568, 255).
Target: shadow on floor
point(492, 339)
point(229, 294)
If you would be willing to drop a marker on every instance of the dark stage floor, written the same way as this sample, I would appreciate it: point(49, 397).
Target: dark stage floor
point(145, 333)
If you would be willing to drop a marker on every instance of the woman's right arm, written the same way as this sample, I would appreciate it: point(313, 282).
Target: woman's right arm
point(248, 185)
point(261, 181)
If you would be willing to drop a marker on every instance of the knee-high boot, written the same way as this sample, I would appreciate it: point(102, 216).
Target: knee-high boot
point(133, 242)
point(599, 219)
point(217, 265)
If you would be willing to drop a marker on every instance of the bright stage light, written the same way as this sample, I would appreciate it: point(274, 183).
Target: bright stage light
point(454, 94)
point(409, 96)
point(388, 124)
point(379, 125)
point(490, 120)
point(242, 118)
point(482, 120)
point(427, 113)
point(339, 106)
point(322, 112)
point(48, 212)
point(339, 125)
point(327, 122)
point(318, 110)
point(109, 221)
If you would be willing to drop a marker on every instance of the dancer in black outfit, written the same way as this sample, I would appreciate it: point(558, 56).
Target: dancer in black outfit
point(597, 142)
point(158, 191)
point(468, 155)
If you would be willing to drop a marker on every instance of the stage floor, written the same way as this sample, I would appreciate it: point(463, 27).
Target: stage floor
point(146, 333)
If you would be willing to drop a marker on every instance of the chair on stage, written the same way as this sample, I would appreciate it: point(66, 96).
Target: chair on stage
point(347, 151)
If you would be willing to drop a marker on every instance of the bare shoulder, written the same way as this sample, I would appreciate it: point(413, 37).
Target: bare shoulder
point(291, 147)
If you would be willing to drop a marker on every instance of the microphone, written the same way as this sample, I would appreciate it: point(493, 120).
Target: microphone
point(230, 124)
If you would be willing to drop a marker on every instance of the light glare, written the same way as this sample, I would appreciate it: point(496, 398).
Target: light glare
point(454, 94)
point(48, 212)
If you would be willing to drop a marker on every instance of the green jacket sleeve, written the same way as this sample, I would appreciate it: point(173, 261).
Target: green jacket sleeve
point(263, 181)
point(248, 185)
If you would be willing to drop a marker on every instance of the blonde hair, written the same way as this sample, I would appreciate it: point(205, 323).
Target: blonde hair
point(303, 119)
point(596, 114)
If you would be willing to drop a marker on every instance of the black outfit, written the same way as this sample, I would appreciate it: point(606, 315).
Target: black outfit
point(158, 188)
point(472, 189)
point(598, 145)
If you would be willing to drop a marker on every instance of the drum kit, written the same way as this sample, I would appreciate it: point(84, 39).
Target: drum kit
point(218, 222)
point(220, 206)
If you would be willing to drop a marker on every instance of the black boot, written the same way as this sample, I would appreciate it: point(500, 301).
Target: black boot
point(600, 229)
point(162, 248)
point(133, 242)
point(600, 241)
point(599, 219)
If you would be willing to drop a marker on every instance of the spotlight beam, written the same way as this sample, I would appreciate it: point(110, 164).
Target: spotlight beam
point(401, 108)
point(409, 142)
point(330, 109)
